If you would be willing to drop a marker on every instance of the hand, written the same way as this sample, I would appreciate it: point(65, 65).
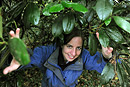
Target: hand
point(12, 34)
point(106, 51)
point(14, 64)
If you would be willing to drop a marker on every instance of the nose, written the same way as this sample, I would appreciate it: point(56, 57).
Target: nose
point(73, 52)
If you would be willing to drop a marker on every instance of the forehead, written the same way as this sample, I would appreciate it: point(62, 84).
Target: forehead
point(76, 41)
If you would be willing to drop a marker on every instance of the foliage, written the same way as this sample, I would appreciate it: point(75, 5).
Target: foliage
point(41, 22)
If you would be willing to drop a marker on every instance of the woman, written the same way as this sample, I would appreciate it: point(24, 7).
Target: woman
point(62, 65)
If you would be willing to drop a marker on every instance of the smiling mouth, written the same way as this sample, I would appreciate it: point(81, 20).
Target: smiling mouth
point(70, 57)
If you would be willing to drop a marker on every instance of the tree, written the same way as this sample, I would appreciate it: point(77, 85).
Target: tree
point(42, 22)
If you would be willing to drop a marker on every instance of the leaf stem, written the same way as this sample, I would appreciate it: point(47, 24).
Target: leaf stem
point(15, 25)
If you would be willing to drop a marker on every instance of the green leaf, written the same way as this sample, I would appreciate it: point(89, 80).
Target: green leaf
point(122, 23)
point(46, 9)
point(68, 23)
point(103, 38)
point(31, 14)
point(127, 67)
point(56, 8)
point(1, 28)
point(19, 51)
point(119, 73)
point(92, 44)
point(67, 4)
point(122, 75)
point(115, 35)
point(76, 6)
point(79, 7)
point(107, 73)
point(108, 21)
point(57, 27)
point(104, 8)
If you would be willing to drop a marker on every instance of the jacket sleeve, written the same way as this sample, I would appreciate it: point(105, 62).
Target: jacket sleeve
point(40, 55)
point(95, 62)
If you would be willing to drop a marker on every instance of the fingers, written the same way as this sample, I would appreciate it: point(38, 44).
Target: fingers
point(6, 70)
point(10, 69)
point(17, 32)
point(110, 49)
point(12, 34)
point(97, 35)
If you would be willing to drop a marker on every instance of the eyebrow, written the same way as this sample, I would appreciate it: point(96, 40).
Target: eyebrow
point(72, 45)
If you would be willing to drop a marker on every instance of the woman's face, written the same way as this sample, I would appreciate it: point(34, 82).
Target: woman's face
point(72, 49)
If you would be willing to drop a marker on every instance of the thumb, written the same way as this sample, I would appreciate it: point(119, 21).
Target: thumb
point(7, 70)
point(97, 34)
point(10, 69)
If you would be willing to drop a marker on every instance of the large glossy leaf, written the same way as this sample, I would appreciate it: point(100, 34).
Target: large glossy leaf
point(31, 14)
point(76, 6)
point(19, 51)
point(57, 28)
point(92, 44)
point(122, 23)
point(107, 73)
point(115, 34)
point(104, 8)
point(1, 28)
point(103, 38)
point(56, 8)
point(68, 22)
point(122, 75)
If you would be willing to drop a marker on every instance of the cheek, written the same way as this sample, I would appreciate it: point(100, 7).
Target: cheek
point(65, 50)
point(78, 53)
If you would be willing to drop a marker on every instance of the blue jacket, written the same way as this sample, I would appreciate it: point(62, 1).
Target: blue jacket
point(46, 58)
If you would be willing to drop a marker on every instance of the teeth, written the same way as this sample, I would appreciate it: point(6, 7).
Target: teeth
point(71, 56)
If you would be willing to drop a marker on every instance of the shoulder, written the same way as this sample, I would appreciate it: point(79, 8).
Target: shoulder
point(45, 48)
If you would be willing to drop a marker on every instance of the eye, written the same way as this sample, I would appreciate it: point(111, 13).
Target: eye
point(69, 46)
point(79, 48)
